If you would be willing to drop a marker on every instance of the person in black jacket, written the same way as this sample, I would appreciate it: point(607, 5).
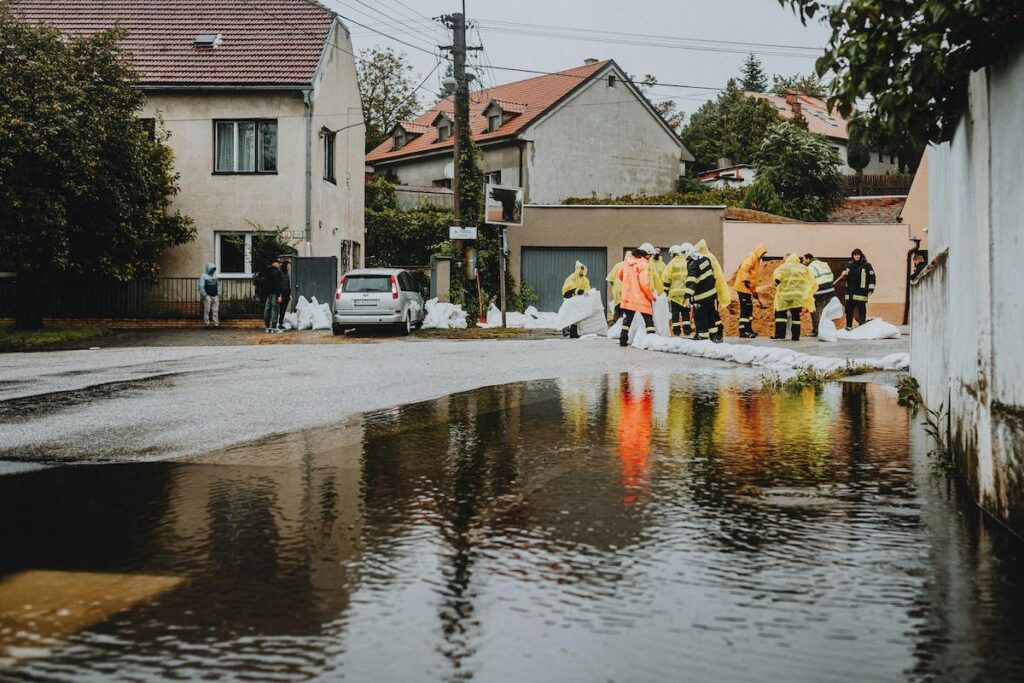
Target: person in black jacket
point(860, 284)
point(286, 294)
point(274, 284)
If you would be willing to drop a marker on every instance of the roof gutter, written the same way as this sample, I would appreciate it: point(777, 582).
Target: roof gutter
point(308, 101)
point(224, 86)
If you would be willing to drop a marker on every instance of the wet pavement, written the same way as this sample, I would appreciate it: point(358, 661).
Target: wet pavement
point(640, 527)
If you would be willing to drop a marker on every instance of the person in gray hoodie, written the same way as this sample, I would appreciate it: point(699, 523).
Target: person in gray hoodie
point(209, 294)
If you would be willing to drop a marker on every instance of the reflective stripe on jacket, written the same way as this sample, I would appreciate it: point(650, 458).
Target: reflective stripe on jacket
point(675, 279)
point(700, 279)
point(823, 276)
point(860, 283)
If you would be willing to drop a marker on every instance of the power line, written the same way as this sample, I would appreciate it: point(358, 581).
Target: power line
point(413, 30)
point(583, 78)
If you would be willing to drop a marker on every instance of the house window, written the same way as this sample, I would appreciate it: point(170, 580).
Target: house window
point(442, 182)
point(245, 147)
point(493, 122)
point(149, 125)
point(398, 140)
point(611, 80)
point(892, 159)
point(351, 255)
point(444, 131)
point(234, 254)
point(492, 178)
point(881, 158)
point(329, 139)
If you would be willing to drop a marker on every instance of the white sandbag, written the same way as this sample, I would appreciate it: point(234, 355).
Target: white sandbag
point(826, 328)
point(531, 312)
point(662, 316)
point(321, 318)
point(594, 324)
point(872, 329)
point(444, 316)
point(304, 314)
point(291, 320)
point(575, 309)
point(615, 330)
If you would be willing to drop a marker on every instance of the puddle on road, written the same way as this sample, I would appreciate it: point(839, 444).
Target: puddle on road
point(623, 528)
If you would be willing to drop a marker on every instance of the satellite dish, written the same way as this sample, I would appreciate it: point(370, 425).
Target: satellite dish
point(449, 169)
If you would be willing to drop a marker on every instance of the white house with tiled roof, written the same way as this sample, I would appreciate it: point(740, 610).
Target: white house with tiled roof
point(576, 133)
point(824, 121)
point(262, 105)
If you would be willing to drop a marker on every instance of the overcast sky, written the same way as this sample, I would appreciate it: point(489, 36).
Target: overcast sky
point(696, 24)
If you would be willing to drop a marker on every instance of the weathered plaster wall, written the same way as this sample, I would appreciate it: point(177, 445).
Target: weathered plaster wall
point(423, 172)
point(603, 141)
point(885, 245)
point(974, 214)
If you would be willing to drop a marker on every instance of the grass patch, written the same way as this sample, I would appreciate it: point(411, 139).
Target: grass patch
point(808, 378)
point(482, 333)
point(56, 335)
point(935, 421)
point(908, 392)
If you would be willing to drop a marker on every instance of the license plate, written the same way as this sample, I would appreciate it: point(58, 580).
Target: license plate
point(366, 302)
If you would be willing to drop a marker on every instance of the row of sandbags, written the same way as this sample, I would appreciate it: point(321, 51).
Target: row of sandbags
point(309, 314)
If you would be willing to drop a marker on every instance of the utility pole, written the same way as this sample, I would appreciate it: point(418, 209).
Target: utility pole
point(457, 23)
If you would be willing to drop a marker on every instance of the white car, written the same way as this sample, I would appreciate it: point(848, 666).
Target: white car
point(377, 296)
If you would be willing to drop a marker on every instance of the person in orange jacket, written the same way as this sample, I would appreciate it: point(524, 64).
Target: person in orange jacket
point(637, 293)
point(745, 285)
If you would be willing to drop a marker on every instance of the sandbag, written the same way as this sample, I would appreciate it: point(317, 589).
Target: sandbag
point(576, 308)
point(871, 330)
point(304, 314)
point(321, 319)
point(444, 316)
point(826, 327)
point(594, 324)
point(662, 316)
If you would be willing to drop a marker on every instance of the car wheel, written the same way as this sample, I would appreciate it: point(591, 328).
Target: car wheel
point(337, 329)
point(407, 326)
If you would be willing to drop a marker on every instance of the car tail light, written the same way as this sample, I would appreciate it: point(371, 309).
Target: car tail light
point(394, 287)
point(341, 284)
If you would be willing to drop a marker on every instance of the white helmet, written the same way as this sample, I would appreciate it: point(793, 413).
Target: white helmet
point(648, 247)
point(685, 248)
point(675, 249)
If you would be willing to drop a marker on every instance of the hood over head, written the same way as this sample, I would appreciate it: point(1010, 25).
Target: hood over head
point(581, 268)
point(793, 258)
point(210, 267)
point(760, 250)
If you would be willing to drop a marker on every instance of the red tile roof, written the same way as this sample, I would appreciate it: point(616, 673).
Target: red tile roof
point(534, 96)
point(264, 42)
point(869, 210)
point(819, 119)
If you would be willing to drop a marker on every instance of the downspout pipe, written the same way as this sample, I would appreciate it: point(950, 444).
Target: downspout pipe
point(307, 99)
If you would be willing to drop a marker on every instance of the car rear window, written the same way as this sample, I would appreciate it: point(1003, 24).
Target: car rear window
point(367, 283)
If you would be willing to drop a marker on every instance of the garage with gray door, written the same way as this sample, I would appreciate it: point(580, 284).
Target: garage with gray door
point(545, 269)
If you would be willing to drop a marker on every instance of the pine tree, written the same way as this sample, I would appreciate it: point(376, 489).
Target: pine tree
point(753, 77)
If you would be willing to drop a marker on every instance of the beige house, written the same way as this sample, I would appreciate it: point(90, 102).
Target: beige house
point(576, 133)
point(262, 106)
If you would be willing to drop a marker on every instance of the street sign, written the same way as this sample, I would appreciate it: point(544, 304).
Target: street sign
point(456, 232)
point(503, 205)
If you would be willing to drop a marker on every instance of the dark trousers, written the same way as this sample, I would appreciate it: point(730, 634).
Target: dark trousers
point(819, 305)
point(856, 309)
point(705, 314)
point(285, 298)
point(270, 311)
point(746, 312)
point(680, 319)
point(627, 322)
point(573, 332)
point(793, 322)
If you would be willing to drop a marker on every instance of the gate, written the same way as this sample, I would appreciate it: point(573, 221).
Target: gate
point(545, 269)
point(314, 276)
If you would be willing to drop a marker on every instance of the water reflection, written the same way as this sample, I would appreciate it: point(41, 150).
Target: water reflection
point(621, 528)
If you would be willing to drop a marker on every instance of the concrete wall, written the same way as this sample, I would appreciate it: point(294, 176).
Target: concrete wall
point(231, 202)
point(886, 247)
point(602, 141)
point(967, 307)
point(915, 211)
point(614, 228)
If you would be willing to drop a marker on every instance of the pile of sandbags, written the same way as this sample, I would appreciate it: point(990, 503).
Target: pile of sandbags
point(876, 328)
point(585, 311)
point(444, 316)
point(309, 315)
point(530, 319)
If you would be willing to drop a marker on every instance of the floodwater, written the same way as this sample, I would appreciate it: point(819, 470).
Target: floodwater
point(624, 528)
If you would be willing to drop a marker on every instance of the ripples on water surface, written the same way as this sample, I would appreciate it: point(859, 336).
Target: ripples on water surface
point(625, 528)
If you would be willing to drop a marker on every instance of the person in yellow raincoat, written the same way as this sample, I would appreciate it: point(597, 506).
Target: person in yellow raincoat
point(657, 270)
point(795, 288)
point(674, 278)
point(615, 287)
point(707, 289)
point(576, 284)
point(745, 285)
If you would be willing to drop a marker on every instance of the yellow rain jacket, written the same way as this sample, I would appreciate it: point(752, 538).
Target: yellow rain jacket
point(577, 281)
point(724, 296)
point(657, 268)
point(795, 285)
point(748, 270)
point(616, 283)
point(675, 279)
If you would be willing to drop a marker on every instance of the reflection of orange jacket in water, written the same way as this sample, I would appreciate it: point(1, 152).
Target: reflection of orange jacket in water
point(634, 442)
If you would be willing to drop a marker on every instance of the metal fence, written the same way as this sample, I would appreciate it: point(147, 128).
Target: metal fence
point(165, 297)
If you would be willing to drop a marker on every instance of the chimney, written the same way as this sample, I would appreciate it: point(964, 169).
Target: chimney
point(590, 60)
point(724, 162)
point(793, 100)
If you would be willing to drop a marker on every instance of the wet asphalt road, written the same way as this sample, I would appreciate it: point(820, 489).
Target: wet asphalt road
point(139, 404)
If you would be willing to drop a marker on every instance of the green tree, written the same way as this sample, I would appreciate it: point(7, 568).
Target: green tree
point(797, 175)
point(809, 84)
point(752, 76)
point(731, 126)
point(858, 152)
point(387, 90)
point(911, 60)
point(84, 187)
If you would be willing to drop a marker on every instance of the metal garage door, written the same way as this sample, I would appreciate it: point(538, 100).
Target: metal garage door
point(545, 269)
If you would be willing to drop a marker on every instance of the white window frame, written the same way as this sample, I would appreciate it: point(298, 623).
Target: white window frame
point(248, 254)
point(257, 151)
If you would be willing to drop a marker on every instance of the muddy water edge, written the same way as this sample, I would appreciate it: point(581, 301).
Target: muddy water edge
point(630, 527)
